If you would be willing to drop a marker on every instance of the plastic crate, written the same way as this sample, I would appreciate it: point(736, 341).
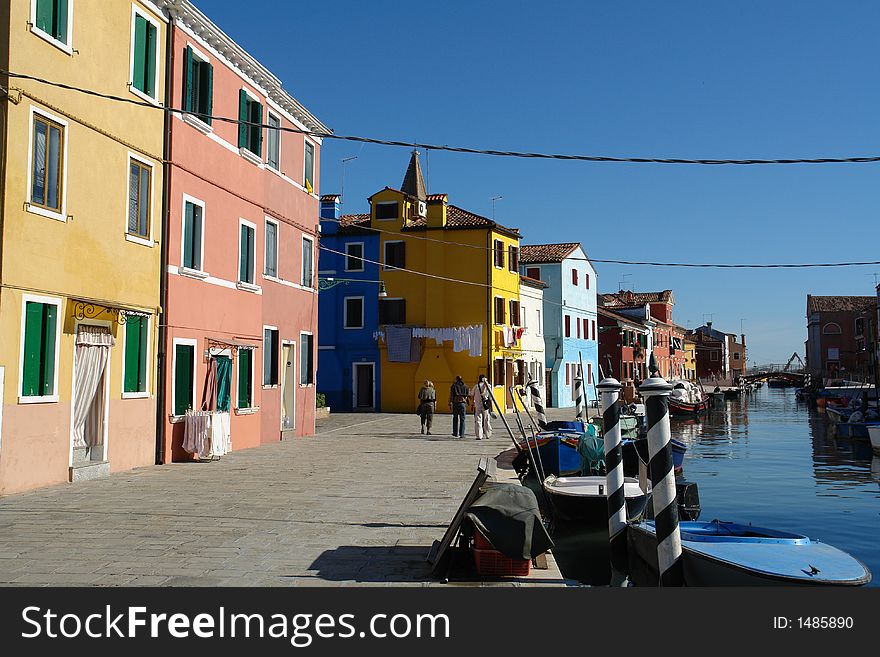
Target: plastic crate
point(480, 541)
point(492, 563)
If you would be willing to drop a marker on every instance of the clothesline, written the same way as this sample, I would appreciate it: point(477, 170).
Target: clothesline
point(463, 338)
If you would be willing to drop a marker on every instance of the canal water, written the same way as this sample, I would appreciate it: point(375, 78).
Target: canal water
point(769, 460)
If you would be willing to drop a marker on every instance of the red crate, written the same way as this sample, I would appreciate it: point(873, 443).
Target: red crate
point(492, 563)
point(480, 541)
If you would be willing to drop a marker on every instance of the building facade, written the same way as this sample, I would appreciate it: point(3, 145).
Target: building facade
point(348, 307)
point(838, 344)
point(242, 302)
point(570, 317)
point(532, 322)
point(81, 240)
point(624, 346)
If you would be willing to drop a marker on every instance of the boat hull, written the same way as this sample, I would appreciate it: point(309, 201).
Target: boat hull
point(558, 453)
point(684, 409)
point(579, 499)
point(874, 435)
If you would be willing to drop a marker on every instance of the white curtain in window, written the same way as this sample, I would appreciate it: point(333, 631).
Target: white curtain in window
point(93, 345)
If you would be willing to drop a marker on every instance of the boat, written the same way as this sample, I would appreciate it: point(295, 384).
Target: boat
point(557, 451)
point(730, 554)
point(843, 428)
point(874, 435)
point(685, 409)
point(778, 383)
point(636, 450)
point(731, 393)
point(584, 499)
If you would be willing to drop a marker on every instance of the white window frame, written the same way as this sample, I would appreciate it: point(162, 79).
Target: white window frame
point(137, 239)
point(200, 272)
point(363, 255)
point(240, 284)
point(147, 343)
point(277, 276)
point(385, 266)
point(135, 11)
point(540, 327)
point(314, 361)
point(59, 320)
point(270, 386)
point(345, 313)
point(192, 119)
point(244, 151)
point(65, 47)
point(397, 203)
point(238, 408)
point(310, 285)
point(36, 209)
point(306, 140)
point(272, 115)
point(195, 345)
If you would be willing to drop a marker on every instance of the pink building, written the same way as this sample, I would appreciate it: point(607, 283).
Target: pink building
point(241, 308)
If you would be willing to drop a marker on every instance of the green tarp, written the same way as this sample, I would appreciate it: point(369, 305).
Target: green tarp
point(508, 516)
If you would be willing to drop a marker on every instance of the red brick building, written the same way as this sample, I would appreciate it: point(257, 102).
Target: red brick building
point(839, 336)
point(665, 339)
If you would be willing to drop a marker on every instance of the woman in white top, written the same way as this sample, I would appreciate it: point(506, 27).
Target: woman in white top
point(482, 408)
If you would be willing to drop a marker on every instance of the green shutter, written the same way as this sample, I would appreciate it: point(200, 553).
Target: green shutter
point(245, 365)
point(188, 230)
point(188, 79)
point(258, 131)
point(44, 16)
point(242, 118)
point(207, 79)
point(50, 312)
point(140, 52)
point(183, 384)
point(132, 344)
point(33, 337)
point(60, 20)
point(142, 357)
point(151, 60)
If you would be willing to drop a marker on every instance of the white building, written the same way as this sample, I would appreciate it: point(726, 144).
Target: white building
point(531, 295)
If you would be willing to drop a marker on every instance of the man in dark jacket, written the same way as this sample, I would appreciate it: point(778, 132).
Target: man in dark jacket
point(458, 396)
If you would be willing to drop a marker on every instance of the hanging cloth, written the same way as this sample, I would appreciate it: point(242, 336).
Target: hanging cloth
point(399, 341)
point(209, 392)
point(92, 348)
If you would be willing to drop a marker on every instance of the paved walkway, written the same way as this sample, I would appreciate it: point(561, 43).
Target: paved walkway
point(359, 503)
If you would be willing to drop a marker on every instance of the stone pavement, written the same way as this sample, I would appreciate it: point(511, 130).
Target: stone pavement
point(359, 504)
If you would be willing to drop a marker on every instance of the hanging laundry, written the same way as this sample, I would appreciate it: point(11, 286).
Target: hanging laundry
point(476, 343)
point(197, 425)
point(399, 341)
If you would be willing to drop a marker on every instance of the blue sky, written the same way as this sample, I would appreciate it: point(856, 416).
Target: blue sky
point(673, 79)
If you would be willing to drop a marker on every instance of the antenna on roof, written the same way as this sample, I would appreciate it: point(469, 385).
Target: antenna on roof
point(709, 315)
point(345, 161)
point(621, 284)
point(495, 198)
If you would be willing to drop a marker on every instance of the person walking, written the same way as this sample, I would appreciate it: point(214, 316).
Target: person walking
point(482, 408)
point(427, 402)
point(458, 397)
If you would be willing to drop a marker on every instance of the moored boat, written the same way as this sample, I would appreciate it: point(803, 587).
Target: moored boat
point(874, 435)
point(730, 554)
point(584, 499)
point(557, 450)
point(679, 408)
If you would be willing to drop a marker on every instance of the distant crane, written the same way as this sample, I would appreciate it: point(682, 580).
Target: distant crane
point(794, 357)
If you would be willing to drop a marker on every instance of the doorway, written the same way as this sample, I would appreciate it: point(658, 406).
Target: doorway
point(91, 360)
point(363, 385)
point(288, 389)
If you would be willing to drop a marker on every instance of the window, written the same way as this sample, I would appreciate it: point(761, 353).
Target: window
point(395, 255)
point(574, 277)
point(308, 269)
point(538, 325)
point(353, 313)
point(392, 311)
point(594, 329)
point(512, 258)
point(587, 281)
point(514, 312)
point(713, 355)
point(523, 316)
point(39, 349)
point(245, 378)
point(306, 359)
point(250, 117)
point(47, 163)
point(354, 254)
point(270, 356)
point(198, 85)
point(139, 196)
point(498, 372)
point(499, 310)
point(534, 272)
point(309, 167)
point(193, 213)
point(831, 329)
point(184, 375)
point(568, 374)
point(499, 254)
point(51, 18)
point(735, 355)
point(246, 252)
point(273, 147)
point(833, 353)
point(860, 326)
point(143, 56)
point(568, 326)
point(271, 265)
point(589, 373)
point(386, 210)
point(577, 321)
point(135, 366)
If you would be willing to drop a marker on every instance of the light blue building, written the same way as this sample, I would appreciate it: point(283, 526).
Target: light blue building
point(570, 319)
point(348, 311)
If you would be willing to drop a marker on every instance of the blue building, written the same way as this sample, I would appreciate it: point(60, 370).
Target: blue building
point(348, 311)
point(570, 320)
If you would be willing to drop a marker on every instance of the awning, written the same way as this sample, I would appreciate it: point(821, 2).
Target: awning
point(85, 308)
point(231, 343)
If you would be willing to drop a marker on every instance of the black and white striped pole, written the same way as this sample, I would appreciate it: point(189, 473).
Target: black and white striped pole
point(656, 391)
point(578, 394)
point(609, 391)
point(536, 400)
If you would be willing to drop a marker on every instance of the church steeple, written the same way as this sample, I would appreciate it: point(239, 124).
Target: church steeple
point(413, 182)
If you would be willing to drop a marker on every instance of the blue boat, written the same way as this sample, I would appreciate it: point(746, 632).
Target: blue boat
point(729, 554)
point(846, 429)
point(635, 450)
point(558, 451)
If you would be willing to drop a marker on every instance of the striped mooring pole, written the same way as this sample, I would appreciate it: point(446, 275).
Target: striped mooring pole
point(532, 385)
point(609, 390)
point(578, 395)
point(656, 391)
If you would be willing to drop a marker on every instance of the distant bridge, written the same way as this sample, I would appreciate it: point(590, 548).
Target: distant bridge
point(796, 379)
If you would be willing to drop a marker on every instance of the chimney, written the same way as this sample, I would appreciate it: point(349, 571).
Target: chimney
point(437, 210)
point(330, 214)
point(709, 325)
point(743, 336)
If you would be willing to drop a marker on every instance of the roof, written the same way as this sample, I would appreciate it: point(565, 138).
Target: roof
point(629, 299)
point(618, 317)
point(838, 304)
point(459, 218)
point(539, 253)
point(352, 221)
point(413, 181)
point(532, 282)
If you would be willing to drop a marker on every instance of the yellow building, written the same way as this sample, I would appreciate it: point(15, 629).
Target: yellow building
point(690, 359)
point(81, 239)
point(422, 233)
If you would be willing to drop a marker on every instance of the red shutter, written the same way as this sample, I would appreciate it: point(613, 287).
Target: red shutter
point(587, 281)
point(574, 276)
point(568, 326)
point(578, 322)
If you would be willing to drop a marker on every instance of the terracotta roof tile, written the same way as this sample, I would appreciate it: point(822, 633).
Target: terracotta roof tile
point(629, 299)
point(620, 318)
point(533, 282)
point(457, 217)
point(539, 253)
point(839, 304)
point(347, 220)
